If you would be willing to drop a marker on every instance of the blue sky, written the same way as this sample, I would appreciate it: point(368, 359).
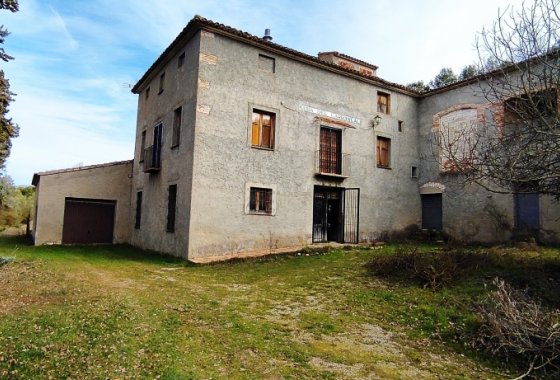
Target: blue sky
point(76, 59)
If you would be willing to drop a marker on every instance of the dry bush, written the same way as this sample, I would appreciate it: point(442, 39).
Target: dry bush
point(434, 269)
point(519, 330)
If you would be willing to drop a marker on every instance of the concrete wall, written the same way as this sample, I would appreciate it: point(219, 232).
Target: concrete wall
point(225, 164)
point(180, 87)
point(110, 182)
point(470, 212)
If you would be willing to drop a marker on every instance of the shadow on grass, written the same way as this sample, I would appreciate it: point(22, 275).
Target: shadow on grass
point(21, 247)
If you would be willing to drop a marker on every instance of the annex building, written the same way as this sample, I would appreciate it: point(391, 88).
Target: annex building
point(246, 146)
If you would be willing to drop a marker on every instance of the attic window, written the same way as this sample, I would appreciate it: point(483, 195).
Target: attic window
point(147, 93)
point(267, 64)
point(181, 60)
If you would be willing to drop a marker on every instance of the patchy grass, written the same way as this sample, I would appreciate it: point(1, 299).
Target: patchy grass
point(118, 312)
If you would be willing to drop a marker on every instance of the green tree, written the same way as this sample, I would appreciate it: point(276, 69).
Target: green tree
point(468, 71)
point(8, 129)
point(446, 76)
point(419, 86)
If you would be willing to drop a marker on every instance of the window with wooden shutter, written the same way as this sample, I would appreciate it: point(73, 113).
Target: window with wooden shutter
point(383, 102)
point(383, 152)
point(262, 129)
point(330, 152)
point(171, 205)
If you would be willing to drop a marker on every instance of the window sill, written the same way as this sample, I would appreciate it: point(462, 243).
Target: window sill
point(160, 92)
point(262, 148)
point(384, 167)
point(259, 213)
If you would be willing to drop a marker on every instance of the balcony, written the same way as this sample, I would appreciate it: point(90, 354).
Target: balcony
point(332, 164)
point(152, 159)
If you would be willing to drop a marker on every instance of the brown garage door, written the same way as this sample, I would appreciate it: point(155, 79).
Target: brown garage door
point(88, 221)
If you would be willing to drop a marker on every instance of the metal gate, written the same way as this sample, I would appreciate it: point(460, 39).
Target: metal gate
point(335, 214)
point(351, 215)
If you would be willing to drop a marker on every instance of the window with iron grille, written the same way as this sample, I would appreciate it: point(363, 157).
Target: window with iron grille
point(262, 129)
point(176, 138)
point(138, 218)
point(383, 102)
point(383, 152)
point(171, 205)
point(260, 200)
point(330, 151)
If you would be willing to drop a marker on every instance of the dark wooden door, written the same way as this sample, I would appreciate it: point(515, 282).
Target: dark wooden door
point(432, 217)
point(88, 221)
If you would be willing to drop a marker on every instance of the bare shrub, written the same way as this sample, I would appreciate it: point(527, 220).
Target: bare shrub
point(520, 330)
point(433, 269)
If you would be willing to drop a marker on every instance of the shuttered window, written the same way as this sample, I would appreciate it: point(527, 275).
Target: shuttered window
point(383, 102)
point(171, 205)
point(383, 152)
point(262, 129)
point(138, 218)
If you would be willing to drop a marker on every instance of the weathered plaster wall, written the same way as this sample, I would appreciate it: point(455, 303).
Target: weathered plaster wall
point(470, 212)
point(180, 87)
point(225, 162)
point(110, 182)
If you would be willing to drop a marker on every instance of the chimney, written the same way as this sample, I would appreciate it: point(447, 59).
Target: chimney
point(267, 37)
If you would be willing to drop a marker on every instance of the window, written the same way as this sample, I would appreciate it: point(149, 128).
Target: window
point(414, 171)
point(147, 93)
point(138, 217)
point(262, 130)
point(267, 64)
point(383, 102)
point(142, 146)
point(152, 154)
point(260, 200)
point(161, 82)
point(383, 152)
point(181, 60)
point(330, 152)
point(400, 127)
point(171, 203)
point(176, 138)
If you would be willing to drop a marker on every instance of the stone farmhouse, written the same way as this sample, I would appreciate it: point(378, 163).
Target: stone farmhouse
point(244, 146)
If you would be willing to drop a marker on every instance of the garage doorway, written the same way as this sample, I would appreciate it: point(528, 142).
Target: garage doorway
point(88, 221)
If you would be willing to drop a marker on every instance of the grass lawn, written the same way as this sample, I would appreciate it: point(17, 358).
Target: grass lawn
point(117, 312)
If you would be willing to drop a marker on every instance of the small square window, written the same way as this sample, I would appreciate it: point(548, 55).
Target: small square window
point(401, 125)
point(181, 60)
point(161, 82)
point(383, 102)
point(260, 200)
point(176, 137)
point(262, 129)
point(414, 171)
point(383, 152)
point(267, 63)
